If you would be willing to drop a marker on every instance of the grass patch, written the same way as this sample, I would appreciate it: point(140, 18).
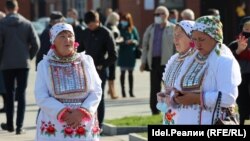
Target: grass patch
point(136, 121)
point(247, 122)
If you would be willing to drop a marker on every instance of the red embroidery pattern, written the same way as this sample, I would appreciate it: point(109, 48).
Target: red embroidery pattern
point(80, 131)
point(169, 117)
point(96, 130)
point(70, 132)
point(48, 128)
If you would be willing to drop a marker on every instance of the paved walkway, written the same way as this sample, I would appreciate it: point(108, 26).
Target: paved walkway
point(114, 108)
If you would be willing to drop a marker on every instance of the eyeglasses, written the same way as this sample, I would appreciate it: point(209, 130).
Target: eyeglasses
point(158, 14)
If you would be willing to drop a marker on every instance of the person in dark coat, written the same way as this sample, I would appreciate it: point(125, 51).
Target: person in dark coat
point(241, 51)
point(126, 53)
point(98, 42)
point(55, 17)
point(2, 87)
point(19, 43)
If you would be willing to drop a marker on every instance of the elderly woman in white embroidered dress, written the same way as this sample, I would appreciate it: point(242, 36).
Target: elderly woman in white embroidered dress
point(213, 69)
point(68, 91)
point(176, 64)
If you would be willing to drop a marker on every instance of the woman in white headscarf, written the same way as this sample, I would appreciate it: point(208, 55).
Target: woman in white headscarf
point(68, 91)
point(176, 64)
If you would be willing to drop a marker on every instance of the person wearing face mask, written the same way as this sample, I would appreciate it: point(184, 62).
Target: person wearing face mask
point(72, 18)
point(112, 24)
point(126, 52)
point(173, 16)
point(157, 48)
point(241, 51)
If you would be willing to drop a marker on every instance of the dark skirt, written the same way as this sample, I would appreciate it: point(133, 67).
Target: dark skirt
point(2, 86)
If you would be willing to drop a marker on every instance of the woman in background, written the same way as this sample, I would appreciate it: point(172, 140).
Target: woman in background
point(112, 23)
point(241, 51)
point(126, 53)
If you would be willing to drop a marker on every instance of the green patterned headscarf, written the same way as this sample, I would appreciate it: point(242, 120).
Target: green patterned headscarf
point(211, 26)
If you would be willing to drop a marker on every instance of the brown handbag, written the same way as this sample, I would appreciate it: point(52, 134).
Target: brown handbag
point(230, 117)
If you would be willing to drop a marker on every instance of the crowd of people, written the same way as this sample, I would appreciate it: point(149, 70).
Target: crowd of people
point(74, 60)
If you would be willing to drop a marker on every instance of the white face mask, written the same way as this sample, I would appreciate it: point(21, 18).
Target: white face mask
point(158, 20)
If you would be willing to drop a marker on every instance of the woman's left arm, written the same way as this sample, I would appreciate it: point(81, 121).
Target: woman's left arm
point(136, 39)
point(94, 86)
point(227, 78)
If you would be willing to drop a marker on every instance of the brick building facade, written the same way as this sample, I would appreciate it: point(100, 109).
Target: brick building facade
point(141, 10)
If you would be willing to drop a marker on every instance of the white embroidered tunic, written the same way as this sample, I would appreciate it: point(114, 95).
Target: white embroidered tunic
point(176, 65)
point(219, 72)
point(70, 83)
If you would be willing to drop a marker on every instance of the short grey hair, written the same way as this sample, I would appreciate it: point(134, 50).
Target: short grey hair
point(187, 14)
point(112, 18)
point(163, 8)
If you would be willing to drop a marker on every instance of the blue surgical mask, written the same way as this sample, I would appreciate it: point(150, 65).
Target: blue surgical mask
point(124, 23)
point(70, 20)
point(172, 20)
point(162, 106)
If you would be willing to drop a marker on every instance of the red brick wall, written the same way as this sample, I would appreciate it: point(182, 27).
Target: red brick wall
point(194, 5)
point(24, 7)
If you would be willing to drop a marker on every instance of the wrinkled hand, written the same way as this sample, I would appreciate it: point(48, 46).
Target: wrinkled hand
point(242, 44)
point(73, 118)
point(186, 98)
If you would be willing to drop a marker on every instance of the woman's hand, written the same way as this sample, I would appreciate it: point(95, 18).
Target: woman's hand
point(242, 44)
point(73, 118)
point(186, 98)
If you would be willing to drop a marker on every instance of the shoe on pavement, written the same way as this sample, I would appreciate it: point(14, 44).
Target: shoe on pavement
point(20, 131)
point(4, 126)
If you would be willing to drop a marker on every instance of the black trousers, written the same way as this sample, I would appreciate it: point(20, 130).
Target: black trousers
point(155, 83)
point(101, 108)
point(21, 78)
point(243, 99)
point(111, 72)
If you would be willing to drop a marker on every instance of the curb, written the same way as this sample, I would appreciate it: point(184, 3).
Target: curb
point(136, 137)
point(109, 129)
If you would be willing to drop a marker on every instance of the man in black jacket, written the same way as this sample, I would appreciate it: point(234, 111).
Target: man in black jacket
point(19, 43)
point(97, 40)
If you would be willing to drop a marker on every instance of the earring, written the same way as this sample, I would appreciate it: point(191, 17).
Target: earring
point(76, 44)
point(191, 44)
point(53, 46)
